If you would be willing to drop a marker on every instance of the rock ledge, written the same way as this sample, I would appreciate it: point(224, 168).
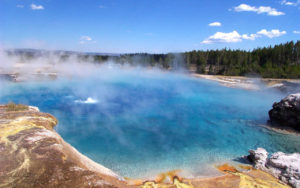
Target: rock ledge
point(32, 154)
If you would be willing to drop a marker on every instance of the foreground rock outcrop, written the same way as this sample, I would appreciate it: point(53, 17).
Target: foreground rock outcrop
point(286, 167)
point(286, 113)
point(32, 154)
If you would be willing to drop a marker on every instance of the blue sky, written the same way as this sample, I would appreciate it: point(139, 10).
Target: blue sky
point(155, 26)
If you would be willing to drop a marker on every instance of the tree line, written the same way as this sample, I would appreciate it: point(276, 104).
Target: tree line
point(279, 61)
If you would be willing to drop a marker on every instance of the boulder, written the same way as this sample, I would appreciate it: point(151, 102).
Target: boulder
point(258, 157)
point(285, 167)
point(286, 113)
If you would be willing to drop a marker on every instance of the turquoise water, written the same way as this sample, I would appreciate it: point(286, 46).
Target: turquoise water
point(140, 123)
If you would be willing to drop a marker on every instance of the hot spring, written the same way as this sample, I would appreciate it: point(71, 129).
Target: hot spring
point(140, 122)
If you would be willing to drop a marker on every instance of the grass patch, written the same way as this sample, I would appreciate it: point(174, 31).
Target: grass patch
point(15, 107)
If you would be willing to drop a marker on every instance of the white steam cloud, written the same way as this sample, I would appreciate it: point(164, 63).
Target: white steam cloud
point(44, 65)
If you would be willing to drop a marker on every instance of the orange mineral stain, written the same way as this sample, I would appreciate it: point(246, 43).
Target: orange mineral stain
point(227, 168)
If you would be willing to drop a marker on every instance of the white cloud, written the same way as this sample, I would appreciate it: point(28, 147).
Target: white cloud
point(20, 6)
point(271, 34)
point(289, 3)
point(296, 32)
point(36, 7)
point(249, 37)
point(270, 11)
point(259, 10)
point(244, 7)
point(234, 36)
point(215, 24)
point(86, 40)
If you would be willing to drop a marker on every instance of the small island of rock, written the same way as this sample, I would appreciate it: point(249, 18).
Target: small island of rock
point(286, 113)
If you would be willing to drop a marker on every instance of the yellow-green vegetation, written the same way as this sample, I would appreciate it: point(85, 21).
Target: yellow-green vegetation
point(15, 107)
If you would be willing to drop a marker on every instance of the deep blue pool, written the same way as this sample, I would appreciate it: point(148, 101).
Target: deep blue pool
point(140, 123)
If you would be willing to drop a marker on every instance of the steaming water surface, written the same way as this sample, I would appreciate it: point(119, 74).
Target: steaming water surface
point(140, 123)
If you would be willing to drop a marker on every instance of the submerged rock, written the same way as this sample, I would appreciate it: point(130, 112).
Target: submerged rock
point(32, 154)
point(285, 167)
point(286, 113)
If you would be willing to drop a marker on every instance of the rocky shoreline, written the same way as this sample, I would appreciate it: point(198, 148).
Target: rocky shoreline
point(32, 154)
point(284, 85)
point(285, 167)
